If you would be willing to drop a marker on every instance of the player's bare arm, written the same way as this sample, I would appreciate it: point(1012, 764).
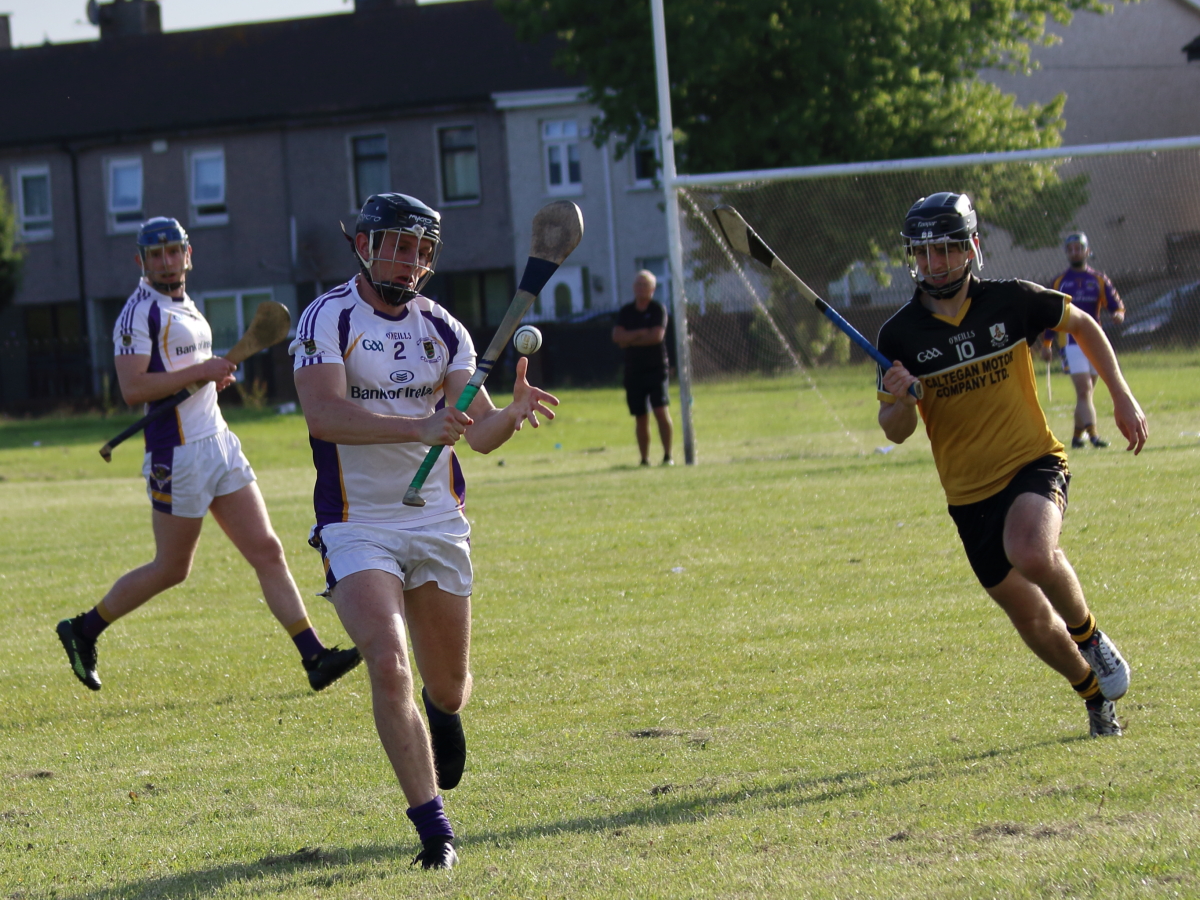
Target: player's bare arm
point(899, 418)
point(138, 385)
point(333, 418)
point(1130, 419)
point(492, 426)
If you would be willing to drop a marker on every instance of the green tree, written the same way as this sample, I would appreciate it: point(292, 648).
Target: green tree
point(11, 256)
point(759, 84)
point(768, 83)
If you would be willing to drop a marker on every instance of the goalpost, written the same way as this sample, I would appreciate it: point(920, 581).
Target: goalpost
point(838, 228)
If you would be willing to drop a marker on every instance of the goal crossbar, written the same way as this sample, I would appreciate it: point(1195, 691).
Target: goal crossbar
point(935, 162)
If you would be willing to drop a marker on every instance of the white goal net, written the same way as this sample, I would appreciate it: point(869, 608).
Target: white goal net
point(838, 228)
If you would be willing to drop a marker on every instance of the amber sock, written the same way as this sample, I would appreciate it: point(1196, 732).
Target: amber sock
point(1083, 632)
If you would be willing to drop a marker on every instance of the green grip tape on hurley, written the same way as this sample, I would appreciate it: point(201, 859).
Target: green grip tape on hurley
point(412, 497)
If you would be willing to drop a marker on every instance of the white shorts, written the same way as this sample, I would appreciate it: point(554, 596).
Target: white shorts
point(1077, 363)
point(182, 481)
point(440, 552)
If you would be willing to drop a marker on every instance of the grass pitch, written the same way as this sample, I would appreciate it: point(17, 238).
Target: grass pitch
point(771, 674)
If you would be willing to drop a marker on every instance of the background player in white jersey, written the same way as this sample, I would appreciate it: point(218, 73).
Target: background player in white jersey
point(378, 370)
point(193, 463)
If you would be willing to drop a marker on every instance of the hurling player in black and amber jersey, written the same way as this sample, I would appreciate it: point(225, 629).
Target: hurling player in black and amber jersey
point(1005, 474)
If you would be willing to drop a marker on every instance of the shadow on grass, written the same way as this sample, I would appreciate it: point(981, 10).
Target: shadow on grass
point(325, 867)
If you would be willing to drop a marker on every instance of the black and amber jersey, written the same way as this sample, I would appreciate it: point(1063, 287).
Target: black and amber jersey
point(980, 408)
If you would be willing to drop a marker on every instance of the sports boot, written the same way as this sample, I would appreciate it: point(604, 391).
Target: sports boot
point(1106, 661)
point(1102, 717)
point(81, 652)
point(436, 853)
point(329, 665)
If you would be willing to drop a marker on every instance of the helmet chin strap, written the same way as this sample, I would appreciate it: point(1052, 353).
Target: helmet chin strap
point(947, 290)
point(391, 294)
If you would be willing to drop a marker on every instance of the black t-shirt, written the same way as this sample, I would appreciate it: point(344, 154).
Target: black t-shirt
point(644, 360)
point(981, 407)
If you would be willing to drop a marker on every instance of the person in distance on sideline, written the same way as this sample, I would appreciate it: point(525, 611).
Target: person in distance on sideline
point(378, 369)
point(641, 332)
point(193, 463)
point(1091, 292)
point(1005, 475)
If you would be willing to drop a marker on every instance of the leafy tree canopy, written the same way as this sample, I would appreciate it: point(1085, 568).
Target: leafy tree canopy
point(769, 83)
point(760, 84)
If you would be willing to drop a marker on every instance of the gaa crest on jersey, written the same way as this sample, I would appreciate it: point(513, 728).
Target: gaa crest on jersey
point(429, 350)
point(310, 347)
point(127, 340)
point(999, 334)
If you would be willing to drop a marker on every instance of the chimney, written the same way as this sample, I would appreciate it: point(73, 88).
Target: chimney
point(372, 5)
point(121, 18)
point(5, 34)
point(1192, 50)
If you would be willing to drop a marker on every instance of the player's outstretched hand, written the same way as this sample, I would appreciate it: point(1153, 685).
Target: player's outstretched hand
point(528, 400)
point(1131, 422)
point(444, 427)
point(897, 380)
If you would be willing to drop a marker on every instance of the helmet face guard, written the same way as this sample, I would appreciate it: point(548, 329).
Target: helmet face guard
point(163, 233)
point(408, 264)
point(948, 223)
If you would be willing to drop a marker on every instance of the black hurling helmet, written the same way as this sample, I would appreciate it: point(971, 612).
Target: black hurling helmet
point(162, 231)
point(942, 218)
point(405, 215)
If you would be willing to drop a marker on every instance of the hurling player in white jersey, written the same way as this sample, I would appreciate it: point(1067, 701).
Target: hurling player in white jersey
point(378, 369)
point(193, 463)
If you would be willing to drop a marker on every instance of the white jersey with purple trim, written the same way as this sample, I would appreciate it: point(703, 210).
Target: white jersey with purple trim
point(395, 365)
point(174, 335)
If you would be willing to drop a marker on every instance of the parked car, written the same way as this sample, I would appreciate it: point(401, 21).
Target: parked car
point(1170, 318)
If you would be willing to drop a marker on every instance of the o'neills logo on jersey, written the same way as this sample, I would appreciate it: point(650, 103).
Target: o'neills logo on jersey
point(999, 334)
point(366, 393)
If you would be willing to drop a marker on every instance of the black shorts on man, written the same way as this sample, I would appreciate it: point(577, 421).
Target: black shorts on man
point(645, 391)
point(981, 524)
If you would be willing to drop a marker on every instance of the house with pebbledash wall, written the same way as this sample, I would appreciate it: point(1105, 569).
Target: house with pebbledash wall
point(261, 138)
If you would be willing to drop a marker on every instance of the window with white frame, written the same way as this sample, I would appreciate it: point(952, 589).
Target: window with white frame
point(34, 214)
point(370, 170)
point(560, 149)
point(645, 160)
point(230, 312)
point(206, 187)
point(125, 193)
point(458, 150)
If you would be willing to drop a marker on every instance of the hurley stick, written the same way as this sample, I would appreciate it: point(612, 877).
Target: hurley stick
point(557, 230)
point(742, 238)
point(270, 326)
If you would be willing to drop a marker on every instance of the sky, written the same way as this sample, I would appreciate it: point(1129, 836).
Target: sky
point(33, 21)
